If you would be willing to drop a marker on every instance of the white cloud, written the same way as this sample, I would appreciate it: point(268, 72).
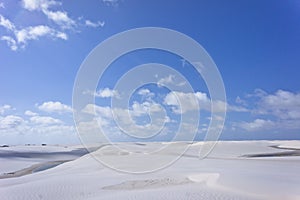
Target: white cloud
point(60, 18)
point(102, 119)
point(196, 101)
point(126, 118)
point(45, 120)
point(91, 127)
point(10, 42)
point(19, 36)
point(61, 35)
point(2, 5)
point(144, 108)
point(6, 23)
point(30, 113)
point(171, 79)
point(137, 109)
point(257, 125)
point(57, 107)
point(5, 108)
point(10, 121)
point(281, 111)
point(103, 93)
point(94, 24)
point(35, 129)
point(32, 5)
point(35, 32)
point(282, 104)
point(184, 102)
point(104, 112)
point(28, 33)
point(235, 108)
point(144, 92)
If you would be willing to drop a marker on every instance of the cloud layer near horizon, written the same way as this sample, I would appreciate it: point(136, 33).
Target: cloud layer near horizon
point(278, 111)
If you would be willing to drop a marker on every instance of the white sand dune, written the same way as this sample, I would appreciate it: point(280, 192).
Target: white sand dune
point(209, 179)
point(16, 158)
point(225, 174)
point(148, 184)
point(288, 144)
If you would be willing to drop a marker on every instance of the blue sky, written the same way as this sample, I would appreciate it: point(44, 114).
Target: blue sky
point(255, 45)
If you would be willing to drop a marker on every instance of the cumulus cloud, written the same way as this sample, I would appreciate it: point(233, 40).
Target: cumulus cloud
point(144, 92)
point(184, 102)
point(34, 128)
point(137, 109)
point(5, 108)
point(281, 110)
point(103, 111)
point(102, 119)
point(144, 108)
point(282, 104)
point(32, 5)
point(61, 24)
point(170, 79)
point(103, 93)
point(45, 120)
point(10, 121)
point(236, 108)
point(54, 107)
point(30, 113)
point(106, 92)
point(118, 120)
point(257, 125)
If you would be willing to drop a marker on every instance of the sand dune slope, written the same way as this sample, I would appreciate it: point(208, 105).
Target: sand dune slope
point(226, 174)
